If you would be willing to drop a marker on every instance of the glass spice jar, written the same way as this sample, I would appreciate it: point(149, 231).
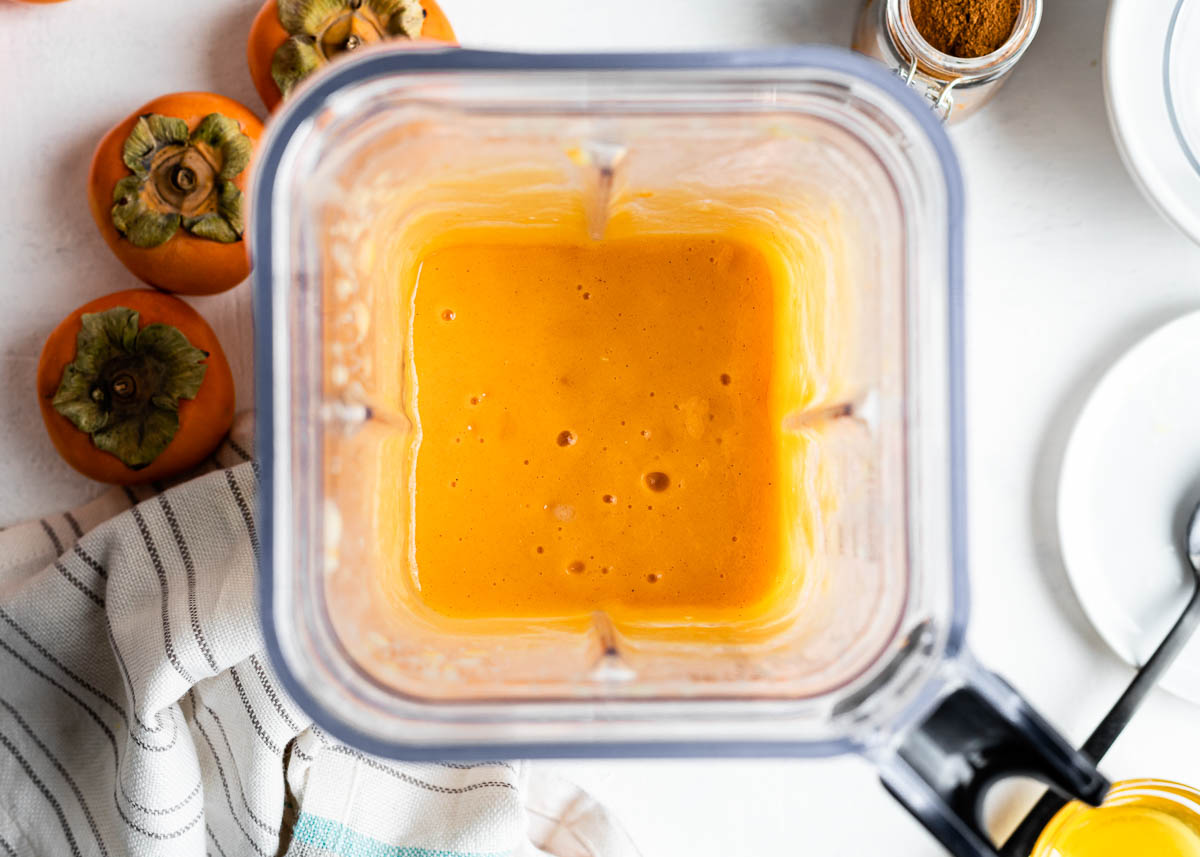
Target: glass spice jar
point(955, 86)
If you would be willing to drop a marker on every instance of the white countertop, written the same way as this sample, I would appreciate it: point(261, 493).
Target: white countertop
point(1066, 267)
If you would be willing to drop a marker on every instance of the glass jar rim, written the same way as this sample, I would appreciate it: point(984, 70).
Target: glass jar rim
point(1149, 787)
point(912, 47)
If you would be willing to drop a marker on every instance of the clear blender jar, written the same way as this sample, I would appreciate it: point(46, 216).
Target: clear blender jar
point(395, 148)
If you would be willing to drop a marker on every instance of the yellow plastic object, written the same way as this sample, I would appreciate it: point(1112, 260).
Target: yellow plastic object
point(1139, 817)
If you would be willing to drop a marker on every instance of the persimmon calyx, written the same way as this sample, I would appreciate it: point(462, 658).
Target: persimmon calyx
point(124, 387)
point(319, 30)
point(181, 179)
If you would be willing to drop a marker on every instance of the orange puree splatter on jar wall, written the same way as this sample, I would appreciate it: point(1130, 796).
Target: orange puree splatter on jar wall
point(599, 427)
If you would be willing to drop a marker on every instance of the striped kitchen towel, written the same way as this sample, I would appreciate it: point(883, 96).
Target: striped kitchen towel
point(139, 716)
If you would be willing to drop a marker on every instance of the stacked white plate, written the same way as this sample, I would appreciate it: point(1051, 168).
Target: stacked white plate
point(1152, 86)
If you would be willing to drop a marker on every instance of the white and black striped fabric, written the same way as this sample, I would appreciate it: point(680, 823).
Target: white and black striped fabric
point(138, 715)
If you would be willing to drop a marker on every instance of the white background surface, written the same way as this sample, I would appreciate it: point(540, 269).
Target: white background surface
point(1066, 267)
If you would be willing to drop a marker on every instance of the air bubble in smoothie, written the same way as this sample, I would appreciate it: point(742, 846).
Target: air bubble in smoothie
point(657, 481)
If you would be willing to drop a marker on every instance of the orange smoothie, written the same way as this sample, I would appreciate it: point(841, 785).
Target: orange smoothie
point(598, 427)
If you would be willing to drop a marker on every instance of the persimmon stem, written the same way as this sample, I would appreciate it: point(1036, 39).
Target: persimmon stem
point(124, 386)
point(184, 178)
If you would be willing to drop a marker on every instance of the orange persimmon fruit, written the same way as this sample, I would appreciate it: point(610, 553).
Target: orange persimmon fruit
point(134, 387)
point(167, 189)
point(291, 38)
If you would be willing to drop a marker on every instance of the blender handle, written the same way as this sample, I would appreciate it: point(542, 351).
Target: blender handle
point(979, 732)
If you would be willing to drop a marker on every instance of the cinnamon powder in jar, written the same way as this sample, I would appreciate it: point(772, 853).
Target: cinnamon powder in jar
point(965, 28)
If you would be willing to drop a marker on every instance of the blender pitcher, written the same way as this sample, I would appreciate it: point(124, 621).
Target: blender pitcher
point(851, 176)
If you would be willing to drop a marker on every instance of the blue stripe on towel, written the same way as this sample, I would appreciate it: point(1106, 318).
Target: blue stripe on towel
point(334, 838)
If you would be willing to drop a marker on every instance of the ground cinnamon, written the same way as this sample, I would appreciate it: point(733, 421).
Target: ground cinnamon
point(965, 28)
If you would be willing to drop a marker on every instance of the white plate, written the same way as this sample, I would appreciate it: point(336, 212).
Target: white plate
point(1151, 63)
point(1130, 476)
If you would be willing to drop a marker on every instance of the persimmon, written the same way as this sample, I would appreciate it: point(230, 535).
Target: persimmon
point(290, 39)
point(167, 189)
point(134, 387)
